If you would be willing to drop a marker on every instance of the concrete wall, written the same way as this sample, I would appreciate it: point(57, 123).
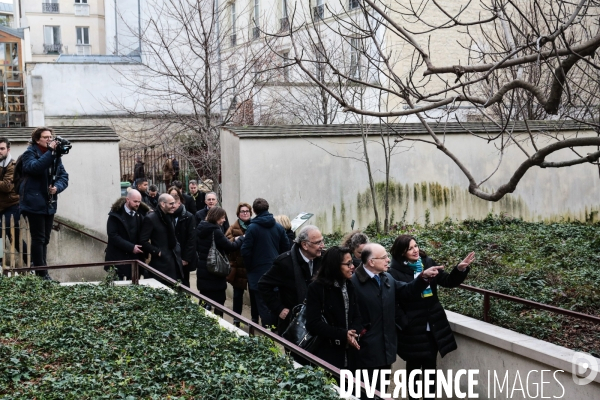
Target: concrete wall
point(302, 174)
point(94, 183)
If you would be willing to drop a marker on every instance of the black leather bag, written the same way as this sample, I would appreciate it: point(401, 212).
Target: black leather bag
point(297, 333)
point(216, 263)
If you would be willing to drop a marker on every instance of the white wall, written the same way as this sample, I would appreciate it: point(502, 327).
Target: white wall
point(300, 174)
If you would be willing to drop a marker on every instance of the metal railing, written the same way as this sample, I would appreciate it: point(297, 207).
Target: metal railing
point(53, 48)
point(533, 304)
point(50, 8)
point(253, 328)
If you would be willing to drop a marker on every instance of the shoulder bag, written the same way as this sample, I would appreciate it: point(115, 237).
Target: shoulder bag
point(216, 263)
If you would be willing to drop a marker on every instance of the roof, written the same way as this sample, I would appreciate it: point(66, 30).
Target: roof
point(286, 131)
point(18, 32)
point(6, 8)
point(99, 59)
point(71, 133)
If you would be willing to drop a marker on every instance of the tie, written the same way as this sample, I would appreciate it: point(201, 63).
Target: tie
point(378, 279)
point(310, 267)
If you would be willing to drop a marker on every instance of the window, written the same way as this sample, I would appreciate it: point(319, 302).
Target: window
point(285, 70)
point(83, 35)
point(354, 57)
point(50, 6)
point(231, 74)
point(320, 62)
point(9, 61)
point(284, 22)
point(52, 39)
point(256, 18)
point(80, 1)
point(233, 23)
point(319, 10)
point(353, 4)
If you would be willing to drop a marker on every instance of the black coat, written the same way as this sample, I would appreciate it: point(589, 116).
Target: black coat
point(190, 204)
point(199, 200)
point(158, 236)
point(377, 304)
point(185, 231)
point(278, 285)
point(328, 300)
point(120, 241)
point(201, 216)
point(413, 315)
point(204, 236)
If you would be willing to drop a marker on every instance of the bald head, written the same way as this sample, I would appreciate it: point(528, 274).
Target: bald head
point(166, 202)
point(133, 200)
point(375, 258)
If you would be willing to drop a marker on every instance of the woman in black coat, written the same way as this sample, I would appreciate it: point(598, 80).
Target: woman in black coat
point(210, 285)
point(332, 296)
point(423, 327)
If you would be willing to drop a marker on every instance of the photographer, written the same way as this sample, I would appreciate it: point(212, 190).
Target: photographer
point(43, 178)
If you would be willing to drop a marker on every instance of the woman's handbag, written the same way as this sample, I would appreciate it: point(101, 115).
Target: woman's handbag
point(297, 333)
point(216, 263)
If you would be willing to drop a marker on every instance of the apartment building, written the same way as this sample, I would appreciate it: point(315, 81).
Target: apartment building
point(58, 27)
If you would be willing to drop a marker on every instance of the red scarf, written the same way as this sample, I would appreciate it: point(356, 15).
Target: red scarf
point(42, 149)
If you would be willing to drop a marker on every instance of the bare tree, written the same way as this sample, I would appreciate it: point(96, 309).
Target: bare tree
point(195, 78)
point(496, 61)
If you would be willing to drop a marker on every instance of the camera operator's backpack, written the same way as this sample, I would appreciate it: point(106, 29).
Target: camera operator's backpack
point(18, 174)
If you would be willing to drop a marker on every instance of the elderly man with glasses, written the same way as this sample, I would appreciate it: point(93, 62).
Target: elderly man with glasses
point(376, 293)
point(285, 285)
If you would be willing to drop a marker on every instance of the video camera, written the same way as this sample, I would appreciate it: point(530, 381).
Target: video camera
point(62, 146)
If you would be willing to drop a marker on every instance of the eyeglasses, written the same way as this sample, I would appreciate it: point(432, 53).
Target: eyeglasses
point(318, 243)
point(386, 257)
point(244, 211)
point(349, 264)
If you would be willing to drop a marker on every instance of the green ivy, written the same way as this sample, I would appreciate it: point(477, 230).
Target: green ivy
point(107, 342)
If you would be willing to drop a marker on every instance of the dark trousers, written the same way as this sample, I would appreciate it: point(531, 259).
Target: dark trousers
point(218, 296)
point(40, 226)
point(267, 319)
point(422, 364)
point(238, 304)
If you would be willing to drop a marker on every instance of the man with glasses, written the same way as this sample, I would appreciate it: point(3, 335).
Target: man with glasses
point(376, 293)
point(158, 239)
point(285, 285)
point(264, 240)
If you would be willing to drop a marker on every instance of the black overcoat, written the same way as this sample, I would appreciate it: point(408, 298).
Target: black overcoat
point(204, 236)
point(328, 300)
point(158, 236)
point(185, 231)
point(377, 305)
point(413, 315)
point(120, 242)
point(278, 285)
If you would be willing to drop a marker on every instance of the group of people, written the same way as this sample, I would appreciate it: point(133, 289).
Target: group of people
point(367, 306)
point(29, 186)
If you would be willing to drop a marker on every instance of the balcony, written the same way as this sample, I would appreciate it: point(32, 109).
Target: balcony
point(319, 12)
point(233, 39)
point(83, 50)
point(50, 8)
point(255, 32)
point(82, 10)
point(284, 24)
point(54, 48)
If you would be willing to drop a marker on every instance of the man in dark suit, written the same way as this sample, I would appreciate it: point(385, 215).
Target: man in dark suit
point(196, 194)
point(123, 229)
point(376, 293)
point(158, 238)
point(285, 284)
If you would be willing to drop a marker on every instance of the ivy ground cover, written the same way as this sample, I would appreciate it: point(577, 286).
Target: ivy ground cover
point(107, 342)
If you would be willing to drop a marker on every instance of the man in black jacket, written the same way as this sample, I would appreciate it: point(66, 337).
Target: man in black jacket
point(158, 238)
point(279, 287)
point(210, 200)
point(185, 231)
point(196, 194)
point(376, 293)
point(123, 229)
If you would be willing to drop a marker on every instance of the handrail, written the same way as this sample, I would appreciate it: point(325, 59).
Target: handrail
point(80, 231)
point(489, 293)
point(253, 327)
